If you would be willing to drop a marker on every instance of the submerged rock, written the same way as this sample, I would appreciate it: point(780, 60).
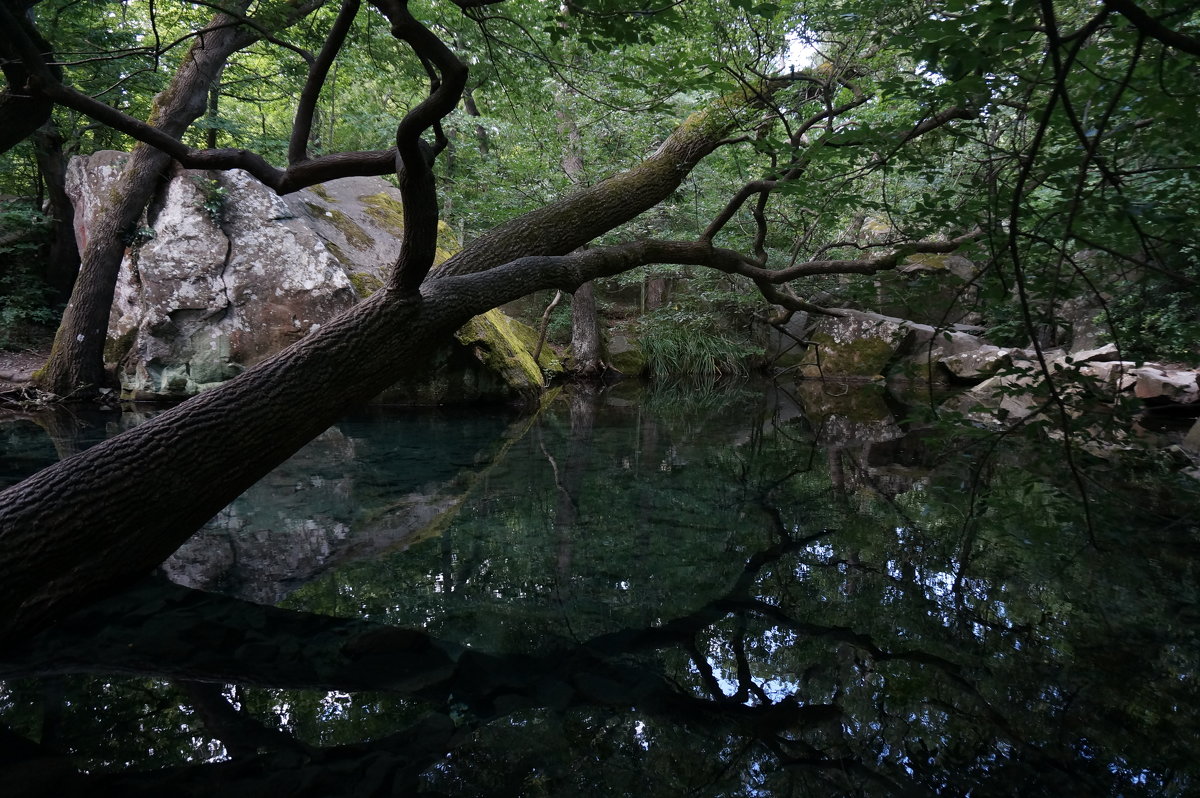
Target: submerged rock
point(224, 273)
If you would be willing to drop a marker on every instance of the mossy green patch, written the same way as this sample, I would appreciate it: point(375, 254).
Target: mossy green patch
point(364, 283)
point(320, 191)
point(339, 254)
point(497, 342)
point(354, 234)
point(548, 360)
point(447, 244)
point(860, 357)
point(631, 362)
point(386, 210)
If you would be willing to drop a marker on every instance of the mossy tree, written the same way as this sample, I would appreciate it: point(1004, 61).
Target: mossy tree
point(892, 82)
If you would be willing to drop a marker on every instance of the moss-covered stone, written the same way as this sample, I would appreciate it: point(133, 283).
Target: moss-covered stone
point(548, 360)
point(862, 357)
point(364, 283)
point(339, 254)
point(631, 362)
point(355, 235)
point(494, 339)
point(320, 191)
point(386, 210)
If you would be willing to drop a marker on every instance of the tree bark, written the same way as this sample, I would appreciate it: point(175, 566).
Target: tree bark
point(587, 344)
point(23, 108)
point(62, 262)
point(80, 528)
point(587, 350)
point(77, 359)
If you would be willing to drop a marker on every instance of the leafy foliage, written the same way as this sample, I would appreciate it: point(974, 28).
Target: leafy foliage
point(25, 299)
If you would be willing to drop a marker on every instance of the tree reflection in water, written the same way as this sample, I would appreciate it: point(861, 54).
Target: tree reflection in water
point(709, 594)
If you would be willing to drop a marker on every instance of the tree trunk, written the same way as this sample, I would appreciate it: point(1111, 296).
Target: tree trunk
point(656, 292)
point(587, 350)
point(77, 360)
point(587, 345)
point(213, 112)
point(62, 262)
point(88, 524)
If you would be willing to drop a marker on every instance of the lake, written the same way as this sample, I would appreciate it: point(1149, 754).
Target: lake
point(751, 590)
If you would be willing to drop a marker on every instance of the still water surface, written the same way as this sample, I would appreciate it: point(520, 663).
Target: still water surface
point(741, 592)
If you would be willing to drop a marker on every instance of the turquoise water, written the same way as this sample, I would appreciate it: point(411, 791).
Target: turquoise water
point(741, 592)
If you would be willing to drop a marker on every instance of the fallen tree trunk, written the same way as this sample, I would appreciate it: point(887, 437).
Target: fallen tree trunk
point(88, 524)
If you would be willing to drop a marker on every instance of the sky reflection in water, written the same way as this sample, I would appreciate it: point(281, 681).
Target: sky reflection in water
point(711, 593)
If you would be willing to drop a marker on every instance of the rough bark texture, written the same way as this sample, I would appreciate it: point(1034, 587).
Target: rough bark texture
point(88, 524)
point(77, 359)
point(62, 262)
point(23, 109)
point(587, 350)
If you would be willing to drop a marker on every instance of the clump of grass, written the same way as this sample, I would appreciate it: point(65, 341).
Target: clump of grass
point(685, 346)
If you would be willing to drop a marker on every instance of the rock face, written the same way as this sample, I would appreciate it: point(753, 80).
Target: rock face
point(224, 273)
point(1020, 390)
point(862, 345)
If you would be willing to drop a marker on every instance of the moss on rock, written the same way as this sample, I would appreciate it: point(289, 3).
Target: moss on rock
point(364, 283)
point(385, 210)
point(115, 349)
point(860, 357)
point(355, 235)
point(496, 341)
point(631, 362)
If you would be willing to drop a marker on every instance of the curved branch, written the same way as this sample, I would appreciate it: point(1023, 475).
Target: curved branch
point(1152, 27)
point(23, 109)
point(448, 79)
point(318, 71)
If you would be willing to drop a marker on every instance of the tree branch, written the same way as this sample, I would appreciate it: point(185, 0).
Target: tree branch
point(23, 109)
point(448, 78)
point(1152, 27)
point(318, 71)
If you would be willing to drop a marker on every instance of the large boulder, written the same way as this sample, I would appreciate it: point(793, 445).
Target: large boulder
point(858, 344)
point(223, 273)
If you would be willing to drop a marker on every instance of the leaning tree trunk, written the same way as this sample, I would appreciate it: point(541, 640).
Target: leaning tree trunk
point(88, 524)
point(77, 359)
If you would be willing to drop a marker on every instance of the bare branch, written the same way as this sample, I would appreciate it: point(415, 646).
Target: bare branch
point(318, 71)
point(1152, 27)
point(448, 79)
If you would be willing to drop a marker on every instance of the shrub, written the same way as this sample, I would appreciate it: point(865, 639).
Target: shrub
point(25, 299)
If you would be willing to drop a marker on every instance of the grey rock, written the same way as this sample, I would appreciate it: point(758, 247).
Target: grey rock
point(979, 363)
point(225, 273)
point(1191, 441)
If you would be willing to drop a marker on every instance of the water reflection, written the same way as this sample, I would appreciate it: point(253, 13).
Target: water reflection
point(737, 593)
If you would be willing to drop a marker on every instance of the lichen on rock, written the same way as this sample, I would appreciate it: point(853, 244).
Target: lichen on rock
point(201, 302)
